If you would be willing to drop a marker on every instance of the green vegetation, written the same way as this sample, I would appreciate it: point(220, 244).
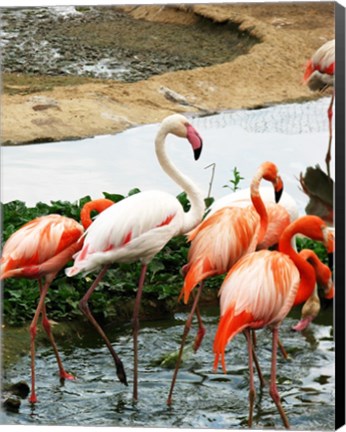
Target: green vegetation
point(114, 295)
point(235, 180)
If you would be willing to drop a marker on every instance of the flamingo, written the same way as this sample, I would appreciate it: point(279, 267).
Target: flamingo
point(40, 249)
point(140, 226)
point(218, 242)
point(319, 76)
point(312, 306)
point(260, 290)
point(279, 214)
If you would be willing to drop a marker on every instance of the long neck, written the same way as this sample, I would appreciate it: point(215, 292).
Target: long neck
point(259, 205)
point(98, 205)
point(306, 271)
point(195, 214)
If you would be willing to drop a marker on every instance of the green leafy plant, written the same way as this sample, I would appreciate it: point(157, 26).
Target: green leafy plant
point(235, 180)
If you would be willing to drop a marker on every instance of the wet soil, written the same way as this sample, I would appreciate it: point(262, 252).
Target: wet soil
point(157, 60)
point(106, 42)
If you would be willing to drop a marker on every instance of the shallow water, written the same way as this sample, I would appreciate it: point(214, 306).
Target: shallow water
point(202, 399)
point(293, 136)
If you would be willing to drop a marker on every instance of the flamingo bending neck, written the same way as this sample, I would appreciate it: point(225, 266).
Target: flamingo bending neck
point(306, 271)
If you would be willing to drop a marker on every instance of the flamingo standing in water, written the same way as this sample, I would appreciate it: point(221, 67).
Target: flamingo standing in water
point(312, 305)
point(219, 241)
point(319, 76)
point(40, 249)
point(140, 226)
point(260, 290)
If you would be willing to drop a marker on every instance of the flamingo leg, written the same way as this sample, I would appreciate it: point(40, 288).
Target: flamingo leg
point(254, 338)
point(252, 391)
point(282, 349)
point(330, 117)
point(33, 331)
point(135, 327)
point(201, 330)
point(83, 305)
point(273, 388)
point(186, 332)
point(47, 327)
point(255, 358)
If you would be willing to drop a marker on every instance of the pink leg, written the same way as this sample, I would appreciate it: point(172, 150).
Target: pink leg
point(83, 304)
point(186, 332)
point(135, 326)
point(252, 391)
point(330, 117)
point(33, 330)
point(47, 327)
point(201, 331)
point(273, 389)
point(282, 349)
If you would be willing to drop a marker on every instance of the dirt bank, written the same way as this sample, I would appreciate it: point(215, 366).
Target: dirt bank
point(270, 72)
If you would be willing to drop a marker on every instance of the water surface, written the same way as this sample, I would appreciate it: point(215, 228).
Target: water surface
point(202, 399)
point(293, 136)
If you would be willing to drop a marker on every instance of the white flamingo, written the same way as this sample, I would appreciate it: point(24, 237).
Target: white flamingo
point(138, 227)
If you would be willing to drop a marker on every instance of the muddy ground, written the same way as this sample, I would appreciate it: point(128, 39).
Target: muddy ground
point(196, 59)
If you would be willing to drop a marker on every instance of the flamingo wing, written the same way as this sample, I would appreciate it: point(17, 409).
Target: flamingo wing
point(37, 242)
point(135, 228)
point(320, 68)
point(218, 242)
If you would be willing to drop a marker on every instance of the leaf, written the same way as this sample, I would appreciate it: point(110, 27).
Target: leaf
point(113, 197)
point(133, 191)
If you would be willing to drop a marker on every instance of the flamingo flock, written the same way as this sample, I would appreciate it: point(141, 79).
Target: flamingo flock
point(247, 236)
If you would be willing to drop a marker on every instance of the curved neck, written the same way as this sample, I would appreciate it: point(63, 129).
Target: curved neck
point(98, 205)
point(306, 271)
point(259, 205)
point(195, 214)
point(322, 271)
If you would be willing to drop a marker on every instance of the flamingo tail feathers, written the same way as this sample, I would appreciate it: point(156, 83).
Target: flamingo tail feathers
point(197, 272)
point(230, 325)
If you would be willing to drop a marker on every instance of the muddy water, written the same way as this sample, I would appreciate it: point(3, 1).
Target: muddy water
point(202, 399)
point(103, 42)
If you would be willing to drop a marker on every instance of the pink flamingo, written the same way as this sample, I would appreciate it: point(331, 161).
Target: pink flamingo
point(219, 241)
point(40, 249)
point(319, 76)
point(140, 226)
point(312, 305)
point(260, 290)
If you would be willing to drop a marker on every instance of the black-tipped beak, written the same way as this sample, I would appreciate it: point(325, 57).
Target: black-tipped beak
point(197, 152)
point(278, 195)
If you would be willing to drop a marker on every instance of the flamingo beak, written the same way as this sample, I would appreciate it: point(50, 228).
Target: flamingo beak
point(195, 141)
point(279, 187)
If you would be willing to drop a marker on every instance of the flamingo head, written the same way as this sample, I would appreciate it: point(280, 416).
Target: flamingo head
point(270, 173)
point(314, 227)
point(179, 125)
